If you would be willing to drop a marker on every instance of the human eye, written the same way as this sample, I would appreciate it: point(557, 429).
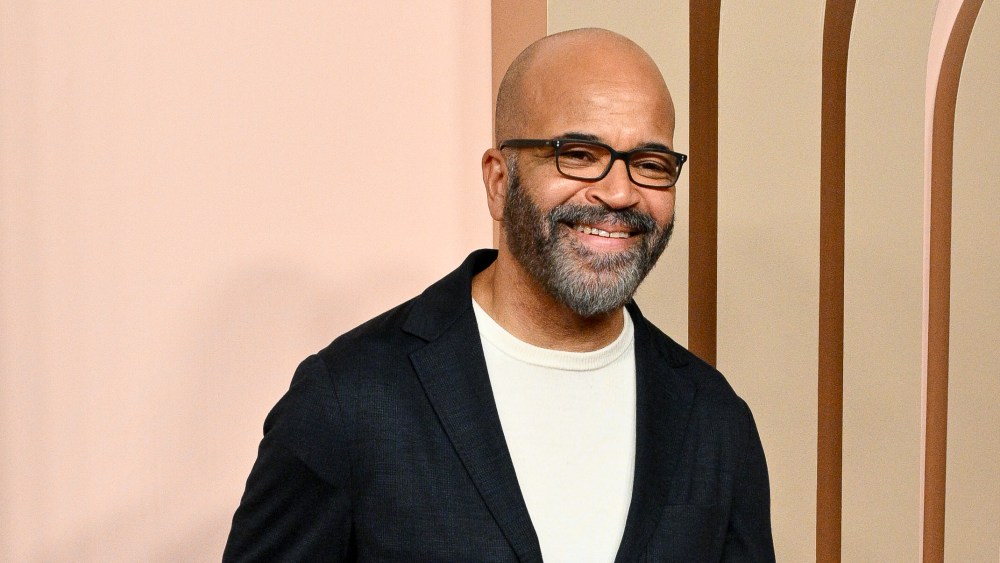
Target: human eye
point(580, 154)
point(653, 165)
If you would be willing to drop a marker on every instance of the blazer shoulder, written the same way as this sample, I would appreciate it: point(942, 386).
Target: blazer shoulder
point(708, 380)
point(386, 341)
point(380, 337)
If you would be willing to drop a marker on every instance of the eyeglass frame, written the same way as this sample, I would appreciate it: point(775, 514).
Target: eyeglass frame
point(624, 156)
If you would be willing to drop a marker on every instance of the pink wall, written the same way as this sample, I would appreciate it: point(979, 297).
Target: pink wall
point(194, 196)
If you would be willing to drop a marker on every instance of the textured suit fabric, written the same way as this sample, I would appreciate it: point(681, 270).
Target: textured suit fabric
point(388, 447)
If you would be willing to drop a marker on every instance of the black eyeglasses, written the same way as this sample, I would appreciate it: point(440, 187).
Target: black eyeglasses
point(591, 161)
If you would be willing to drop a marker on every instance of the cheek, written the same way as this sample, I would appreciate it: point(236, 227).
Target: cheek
point(661, 205)
point(549, 192)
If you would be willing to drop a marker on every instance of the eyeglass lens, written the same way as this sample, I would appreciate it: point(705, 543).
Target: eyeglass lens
point(588, 161)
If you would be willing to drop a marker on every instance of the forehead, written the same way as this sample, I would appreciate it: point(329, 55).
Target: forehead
point(604, 108)
point(614, 94)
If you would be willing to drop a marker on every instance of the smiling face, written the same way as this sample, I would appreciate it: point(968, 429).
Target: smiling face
point(587, 243)
point(558, 249)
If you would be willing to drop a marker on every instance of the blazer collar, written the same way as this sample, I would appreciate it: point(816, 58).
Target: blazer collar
point(452, 370)
point(448, 299)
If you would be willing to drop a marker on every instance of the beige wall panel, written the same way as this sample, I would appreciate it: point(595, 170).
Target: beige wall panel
point(972, 504)
point(661, 28)
point(769, 128)
point(194, 196)
point(883, 268)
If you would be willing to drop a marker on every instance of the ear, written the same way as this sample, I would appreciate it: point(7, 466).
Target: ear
point(495, 180)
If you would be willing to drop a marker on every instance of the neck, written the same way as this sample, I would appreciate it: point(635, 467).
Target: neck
point(518, 303)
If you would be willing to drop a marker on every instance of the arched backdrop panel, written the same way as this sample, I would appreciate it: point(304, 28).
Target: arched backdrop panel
point(972, 501)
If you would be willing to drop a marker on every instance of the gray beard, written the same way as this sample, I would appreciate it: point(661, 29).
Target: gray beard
point(588, 282)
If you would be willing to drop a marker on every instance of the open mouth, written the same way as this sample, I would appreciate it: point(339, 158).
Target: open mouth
point(588, 230)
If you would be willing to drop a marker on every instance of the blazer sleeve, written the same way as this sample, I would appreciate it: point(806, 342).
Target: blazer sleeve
point(297, 502)
point(749, 535)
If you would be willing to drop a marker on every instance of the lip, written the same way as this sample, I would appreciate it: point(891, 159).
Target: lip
point(608, 230)
point(600, 243)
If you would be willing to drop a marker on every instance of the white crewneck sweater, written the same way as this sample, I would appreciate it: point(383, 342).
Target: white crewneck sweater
point(569, 422)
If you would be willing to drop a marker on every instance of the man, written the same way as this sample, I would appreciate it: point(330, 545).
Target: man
point(522, 406)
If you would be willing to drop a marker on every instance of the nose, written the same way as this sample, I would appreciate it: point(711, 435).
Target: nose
point(616, 189)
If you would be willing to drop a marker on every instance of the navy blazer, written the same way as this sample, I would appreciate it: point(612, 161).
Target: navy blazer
point(388, 447)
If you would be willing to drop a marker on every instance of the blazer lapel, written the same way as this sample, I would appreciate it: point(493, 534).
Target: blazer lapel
point(452, 370)
point(663, 406)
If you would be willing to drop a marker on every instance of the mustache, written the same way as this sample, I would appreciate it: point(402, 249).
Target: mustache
point(635, 221)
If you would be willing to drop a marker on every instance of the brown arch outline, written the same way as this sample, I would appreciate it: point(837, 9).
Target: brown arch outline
point(837, 22)
point(514, 24)
point(943, 81)
point(703, 203)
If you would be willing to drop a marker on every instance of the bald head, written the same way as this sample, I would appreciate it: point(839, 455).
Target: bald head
point(549, 68)
point(588, 88)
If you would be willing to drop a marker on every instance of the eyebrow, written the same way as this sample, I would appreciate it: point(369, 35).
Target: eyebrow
point(580, 136)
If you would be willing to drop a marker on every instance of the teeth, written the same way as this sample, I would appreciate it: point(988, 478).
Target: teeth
point(601, 233)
